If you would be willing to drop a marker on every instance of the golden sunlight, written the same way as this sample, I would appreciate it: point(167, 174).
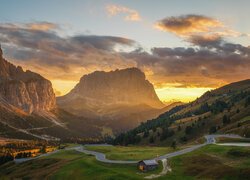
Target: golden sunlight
point(180, 94)
point(62, 87)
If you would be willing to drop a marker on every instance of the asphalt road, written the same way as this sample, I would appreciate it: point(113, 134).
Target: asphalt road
point(210, 139)
point(102, 157)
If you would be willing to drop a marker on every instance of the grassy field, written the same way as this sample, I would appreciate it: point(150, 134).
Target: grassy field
point(212, 162)
point(245, 119)
point(131, 152)
point(231, 140)
point(209, 162)
point(70, 165)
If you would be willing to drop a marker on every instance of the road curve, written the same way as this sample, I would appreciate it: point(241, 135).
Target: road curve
point(180, 152)
point(102, 157)
point(210, 139)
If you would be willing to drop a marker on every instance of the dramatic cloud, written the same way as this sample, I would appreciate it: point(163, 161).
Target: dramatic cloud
point(188, 24)
point(210, 62)
point(206, 40)
point(70, 57)
point(102, 42)
point(130, 14)
point(41, 26)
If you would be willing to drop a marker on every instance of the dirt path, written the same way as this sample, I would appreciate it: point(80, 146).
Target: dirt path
point(165, 169)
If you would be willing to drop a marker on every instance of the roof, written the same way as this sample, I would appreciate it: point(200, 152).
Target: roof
point(150, 162)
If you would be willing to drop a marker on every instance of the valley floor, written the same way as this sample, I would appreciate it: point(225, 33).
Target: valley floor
point(211, 161)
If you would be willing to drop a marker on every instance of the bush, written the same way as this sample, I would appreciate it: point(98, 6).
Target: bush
point(151, 139)
point(173, 145)
point(166, 133)
point(212, 130)
point(238, 153)
point(226, 120)
point(183, 139)
point(189, 130)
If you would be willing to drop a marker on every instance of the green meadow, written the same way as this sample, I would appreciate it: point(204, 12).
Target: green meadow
point(209, 162)
point(212, 162)
point(70, 165)
point(131, 152)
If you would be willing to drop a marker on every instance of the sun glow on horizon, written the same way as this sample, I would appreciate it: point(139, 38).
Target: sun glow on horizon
point(165, 94)
point(180, 94)
point(63, 87)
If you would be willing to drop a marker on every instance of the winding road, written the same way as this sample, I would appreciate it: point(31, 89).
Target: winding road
point(102, 157)
point(210, 139)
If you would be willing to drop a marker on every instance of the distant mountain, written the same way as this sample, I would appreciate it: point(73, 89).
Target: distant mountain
point(27, 91)
point(28, 109)
point(223, 110)
point(123, 98)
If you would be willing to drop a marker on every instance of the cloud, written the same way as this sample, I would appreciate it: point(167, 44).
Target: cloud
point(103, 42)
point(191, 26)
point(130, 14)
point(42, 26)
point(59, 57)
point(212, 40)
point(188, 24)
point(211, 61)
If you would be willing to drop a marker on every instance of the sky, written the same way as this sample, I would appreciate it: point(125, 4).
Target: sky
point(185, 48)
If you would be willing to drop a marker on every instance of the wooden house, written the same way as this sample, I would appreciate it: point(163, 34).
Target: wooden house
point(147, 165)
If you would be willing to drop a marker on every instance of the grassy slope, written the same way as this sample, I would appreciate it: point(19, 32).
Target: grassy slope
point(70, 165)
point(231, 140)
point(212, 162)
point(201, 123)
point(131, 152)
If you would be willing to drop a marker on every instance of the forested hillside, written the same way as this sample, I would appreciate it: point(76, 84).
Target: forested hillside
point(223, 110)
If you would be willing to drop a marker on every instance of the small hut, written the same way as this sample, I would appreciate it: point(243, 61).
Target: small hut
point(147, 165)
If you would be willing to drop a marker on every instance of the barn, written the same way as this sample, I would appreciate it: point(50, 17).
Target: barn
point(147, 165)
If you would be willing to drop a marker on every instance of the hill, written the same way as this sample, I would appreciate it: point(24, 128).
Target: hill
point(223, 110)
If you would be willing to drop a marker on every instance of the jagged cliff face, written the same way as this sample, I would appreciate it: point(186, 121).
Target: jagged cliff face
point(108, 91)
point(25, 90)
point(127, 86)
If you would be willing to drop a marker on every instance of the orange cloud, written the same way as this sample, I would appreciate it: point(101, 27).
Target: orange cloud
point(36, 26)
point(64, 60)
point(42, 26)
point(188, 24)
point(130, 14)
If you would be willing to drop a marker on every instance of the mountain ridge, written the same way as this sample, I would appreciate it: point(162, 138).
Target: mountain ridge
point(122, 97)
point(112, 84)
point(25, 90)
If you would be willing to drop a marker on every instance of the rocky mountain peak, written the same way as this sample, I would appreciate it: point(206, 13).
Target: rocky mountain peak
point(120, 87)
point(28, 91)
point(1, 52)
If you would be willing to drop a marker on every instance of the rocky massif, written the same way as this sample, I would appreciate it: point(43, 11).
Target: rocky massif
point(121, 98)
point(101, 89)
point(102, 103)
point(25, 90)
point(28, 108)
